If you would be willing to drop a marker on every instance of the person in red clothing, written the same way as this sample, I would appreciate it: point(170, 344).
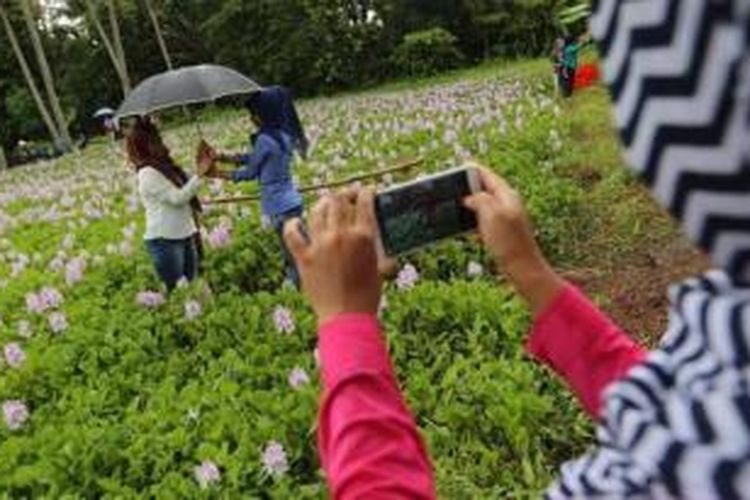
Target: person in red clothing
point(368, 442)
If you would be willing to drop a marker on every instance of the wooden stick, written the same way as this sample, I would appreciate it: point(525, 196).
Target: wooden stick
point(406, 165)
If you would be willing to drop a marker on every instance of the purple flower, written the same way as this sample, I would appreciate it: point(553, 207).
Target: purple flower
point(14, 355)
point(220, 236)
point(298, 377)
point(283, 319)
point(50, 297)
point(74, 271)
point(207, 473)
point(34, 304)
point(150, 299)
point(47, 298)
point(274, 459)
point(58, 323)
point(24, 329)
point(193, 309)
point(15, 413)
point(407, 277)
point(474, 269)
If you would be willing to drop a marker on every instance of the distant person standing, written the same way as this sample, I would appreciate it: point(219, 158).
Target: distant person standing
point(557, 59)
point(570, 51)
point(269, 161)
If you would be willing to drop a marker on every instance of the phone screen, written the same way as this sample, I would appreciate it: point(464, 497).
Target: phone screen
point(424, 212)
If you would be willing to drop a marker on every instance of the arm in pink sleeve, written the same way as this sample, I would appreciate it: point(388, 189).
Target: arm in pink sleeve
point(583, 346)
point(368, 442)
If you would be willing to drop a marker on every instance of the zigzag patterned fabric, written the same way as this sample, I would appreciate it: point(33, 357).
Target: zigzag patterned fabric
point(679, 74)
point(678, 424)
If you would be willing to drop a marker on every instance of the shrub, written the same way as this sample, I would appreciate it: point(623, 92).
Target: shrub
point(425, 53)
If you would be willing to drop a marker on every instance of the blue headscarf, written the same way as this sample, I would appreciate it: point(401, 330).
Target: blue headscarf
point(275, 108)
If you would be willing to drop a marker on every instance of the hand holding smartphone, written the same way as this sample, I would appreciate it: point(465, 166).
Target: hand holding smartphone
point(421, 212)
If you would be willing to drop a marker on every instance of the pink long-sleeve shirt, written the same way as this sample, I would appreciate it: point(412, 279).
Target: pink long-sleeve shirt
point(368, 441)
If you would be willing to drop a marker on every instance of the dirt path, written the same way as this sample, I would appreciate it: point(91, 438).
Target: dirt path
point(634, 293)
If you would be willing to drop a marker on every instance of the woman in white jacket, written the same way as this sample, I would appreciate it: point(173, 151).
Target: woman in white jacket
point(172, 209)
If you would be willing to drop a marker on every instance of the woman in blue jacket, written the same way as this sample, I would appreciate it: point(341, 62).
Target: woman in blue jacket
point(269, 161)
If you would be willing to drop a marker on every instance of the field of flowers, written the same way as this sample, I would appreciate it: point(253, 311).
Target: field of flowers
point(109, 389)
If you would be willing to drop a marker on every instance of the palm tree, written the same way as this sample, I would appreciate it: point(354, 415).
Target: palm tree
point(37, 96)
point(113, 43)
point(159, 36)
point(49, 83)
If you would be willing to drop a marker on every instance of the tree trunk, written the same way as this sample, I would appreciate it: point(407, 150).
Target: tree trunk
point(46, 75)
point(159, 36)
point(3, 160)
point(114, 25)
point(41, 106)
point(122, 73)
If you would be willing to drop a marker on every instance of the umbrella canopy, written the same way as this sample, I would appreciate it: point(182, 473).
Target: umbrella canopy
point(104, 112)
point(189, 85)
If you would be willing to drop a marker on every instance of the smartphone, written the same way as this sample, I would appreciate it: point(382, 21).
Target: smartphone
point(419, 213)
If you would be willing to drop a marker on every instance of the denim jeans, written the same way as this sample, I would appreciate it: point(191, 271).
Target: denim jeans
point(174, 259)
point(278, 222)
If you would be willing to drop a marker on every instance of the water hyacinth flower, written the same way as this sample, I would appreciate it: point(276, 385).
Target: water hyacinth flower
point(220, 236)
point(298, 377)
point(74, 271)
point(14, 355)
point(24, 329)
point(58, 323)
point(407, 277)
point(193, 309)
point(283, 320)
point(150, 299)
point(15, 414)
point(47, 298)
point(50, 297)
point(474, 269)
point(274, 459)
point(34, 304)
point(207, 473)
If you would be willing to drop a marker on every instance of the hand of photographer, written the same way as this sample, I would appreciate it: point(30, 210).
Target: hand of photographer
point(506, 231)
point(338, 262)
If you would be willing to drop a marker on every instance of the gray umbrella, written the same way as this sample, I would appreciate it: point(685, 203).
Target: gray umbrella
point(189, 85)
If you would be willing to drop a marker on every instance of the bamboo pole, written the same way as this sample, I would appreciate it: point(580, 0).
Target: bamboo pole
point(405, 165)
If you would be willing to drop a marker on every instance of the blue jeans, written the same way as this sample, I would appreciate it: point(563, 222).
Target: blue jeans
point(278, 222)
point(174, 259)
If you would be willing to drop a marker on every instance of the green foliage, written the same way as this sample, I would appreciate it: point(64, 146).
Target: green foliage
point(426, 53)
point(128, 400)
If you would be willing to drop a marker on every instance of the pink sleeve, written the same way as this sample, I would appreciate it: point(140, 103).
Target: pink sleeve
point(368, 442)
point(583, 346)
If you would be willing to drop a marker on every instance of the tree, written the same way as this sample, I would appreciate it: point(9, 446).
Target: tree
point(21, 58)
point(159, 36)
point(49, 84)
point(113, 42)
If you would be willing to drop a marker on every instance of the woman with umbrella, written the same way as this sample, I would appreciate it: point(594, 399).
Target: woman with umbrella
point(269, 161)
point(169, 197)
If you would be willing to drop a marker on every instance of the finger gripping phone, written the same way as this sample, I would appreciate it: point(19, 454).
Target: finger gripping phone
point(421, 212)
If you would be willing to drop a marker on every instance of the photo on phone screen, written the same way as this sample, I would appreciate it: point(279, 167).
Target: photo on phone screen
point(423, 212)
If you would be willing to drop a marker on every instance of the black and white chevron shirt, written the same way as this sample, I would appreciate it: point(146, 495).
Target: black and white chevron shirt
point(678, 424)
